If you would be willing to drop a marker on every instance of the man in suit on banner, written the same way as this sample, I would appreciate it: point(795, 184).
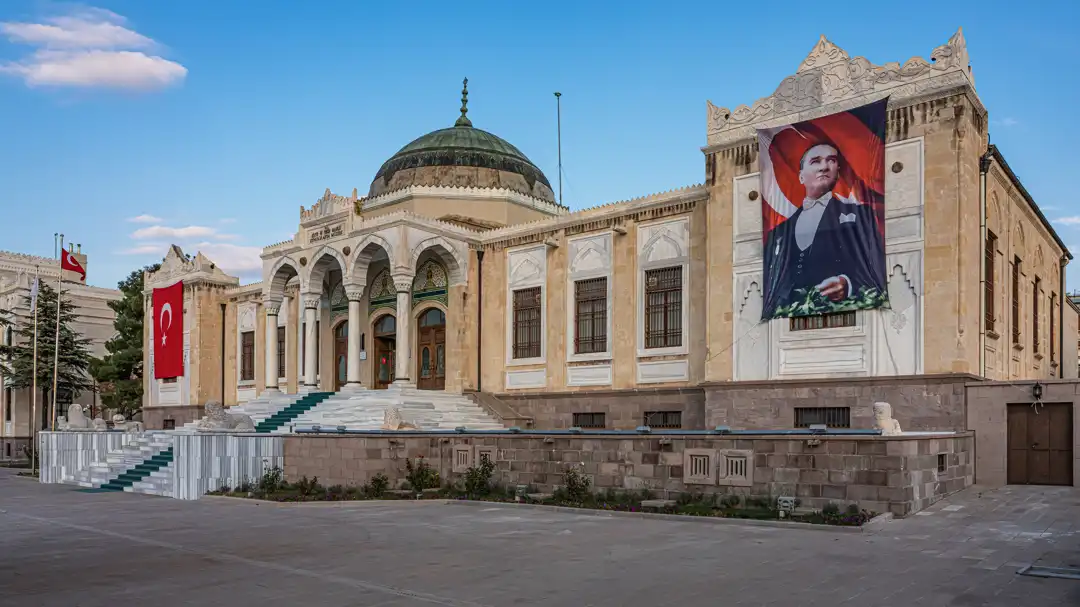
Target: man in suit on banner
point(831, 245)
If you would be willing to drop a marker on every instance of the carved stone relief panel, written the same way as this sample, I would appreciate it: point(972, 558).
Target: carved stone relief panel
point(590, 255)
point(751, 351)
point(903, 175)
point(747, 211)
point(897, 335)
point(664, 241)
point(245, 314)
point(527, 267)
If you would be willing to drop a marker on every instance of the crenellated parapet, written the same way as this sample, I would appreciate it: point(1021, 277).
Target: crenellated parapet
point(829, 80)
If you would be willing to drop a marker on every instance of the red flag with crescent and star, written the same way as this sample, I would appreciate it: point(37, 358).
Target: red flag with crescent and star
point(69, 263)
point(168, 331)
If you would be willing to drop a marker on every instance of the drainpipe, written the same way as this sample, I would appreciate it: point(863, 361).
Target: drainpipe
point(984, 167)
point(479, 316)
point(223, 355)
point(1061, 316)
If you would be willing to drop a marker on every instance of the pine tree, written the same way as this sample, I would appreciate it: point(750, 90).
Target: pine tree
point(74, 353)
point(120, 373)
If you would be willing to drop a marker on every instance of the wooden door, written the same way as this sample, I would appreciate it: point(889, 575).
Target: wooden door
point(431, 350)
point(384, 340)
point(1040, 443)
point(341, 355)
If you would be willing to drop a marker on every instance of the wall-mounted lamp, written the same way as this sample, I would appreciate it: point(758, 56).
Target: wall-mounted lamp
point(1037, 391)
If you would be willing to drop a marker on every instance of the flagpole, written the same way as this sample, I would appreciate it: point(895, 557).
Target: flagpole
point(33, 416)
point(56, 341)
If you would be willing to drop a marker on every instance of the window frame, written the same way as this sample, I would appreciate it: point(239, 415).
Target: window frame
point(537, 254)
point(575, 419)
point(247, 366)
point(599, 244)
point(1036, 339)
point(282, 341)
point(849, 314)
point(990, 255)
point(644, 266)
point(539, 307)
point(1015, 301)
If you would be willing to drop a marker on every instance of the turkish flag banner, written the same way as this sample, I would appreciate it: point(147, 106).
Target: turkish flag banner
point(168, 331)
point(68, 263)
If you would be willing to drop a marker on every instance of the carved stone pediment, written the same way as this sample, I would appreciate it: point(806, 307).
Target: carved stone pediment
point(829, 80)
point(177, 265)
point(330, 204)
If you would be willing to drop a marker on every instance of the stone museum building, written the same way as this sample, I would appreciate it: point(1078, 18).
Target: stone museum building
point(459, 280)
point(95, 323)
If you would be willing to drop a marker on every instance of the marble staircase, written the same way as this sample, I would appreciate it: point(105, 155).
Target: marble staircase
point(280, 418)
point(258, 409)
point(363, 409)
point(141, 466)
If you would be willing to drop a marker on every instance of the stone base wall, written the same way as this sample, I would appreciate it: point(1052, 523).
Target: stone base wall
point(987, 412)
point(13, 448)
point(901, 474)
point(623, 409)
point(154, 417)
point(919, 402)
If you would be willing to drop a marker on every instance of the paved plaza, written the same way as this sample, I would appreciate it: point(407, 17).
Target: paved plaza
point(63, 547)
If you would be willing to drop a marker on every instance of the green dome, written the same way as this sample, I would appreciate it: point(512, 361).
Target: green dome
point(462, 145)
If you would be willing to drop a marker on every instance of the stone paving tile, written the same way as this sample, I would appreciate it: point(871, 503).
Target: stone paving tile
point(61, 547)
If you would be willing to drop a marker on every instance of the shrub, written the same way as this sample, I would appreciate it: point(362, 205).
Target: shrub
point(421, 475)
point(378, 485)
point(577, 484)
point(307, 487)
point(271, 480)
point(830, 509)
point(852, 509)
point(478, 478)
point(730, 501)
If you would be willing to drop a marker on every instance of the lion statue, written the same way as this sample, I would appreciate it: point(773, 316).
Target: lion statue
point(883, 420)
point(100, 425)
point(75, 419)
point(393, 420)
point(121, 423)
point(217, 420)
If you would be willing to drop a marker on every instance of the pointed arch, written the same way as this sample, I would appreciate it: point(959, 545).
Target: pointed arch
point(283, 270)
point(322, 262)
point(456, 265)
point(366, 249)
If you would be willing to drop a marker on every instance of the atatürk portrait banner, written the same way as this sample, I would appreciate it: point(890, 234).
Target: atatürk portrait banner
point(823, 213)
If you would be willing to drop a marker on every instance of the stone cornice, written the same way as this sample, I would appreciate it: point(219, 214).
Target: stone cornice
point(593, 218)
point(829, 81)
point(193, 271)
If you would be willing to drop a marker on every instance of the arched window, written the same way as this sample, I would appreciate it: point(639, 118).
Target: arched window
point(433, 318)
point(386, 325)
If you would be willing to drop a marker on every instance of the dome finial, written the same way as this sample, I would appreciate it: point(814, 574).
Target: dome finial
point(464, 120)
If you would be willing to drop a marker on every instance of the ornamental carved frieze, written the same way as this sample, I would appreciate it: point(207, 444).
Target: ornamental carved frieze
point(829, 77)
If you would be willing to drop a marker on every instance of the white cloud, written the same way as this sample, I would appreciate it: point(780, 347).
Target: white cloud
point(146, 249)
point(235, 259)
point(1009, 121)
point(88, 48)
point(1068, 221)
point(164, 232)
point(227, 220)
point(145, 219)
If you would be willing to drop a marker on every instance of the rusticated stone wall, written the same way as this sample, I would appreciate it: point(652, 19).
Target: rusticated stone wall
point(622, 409)
point(901, 474)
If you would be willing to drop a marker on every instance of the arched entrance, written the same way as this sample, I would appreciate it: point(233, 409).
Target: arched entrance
point(384, 333)
point(341, 355)
point(431, 350)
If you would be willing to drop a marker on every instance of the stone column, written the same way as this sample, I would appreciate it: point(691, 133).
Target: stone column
point(311, 352)
point(272, 308)
point(354, 293)
point(403, 340)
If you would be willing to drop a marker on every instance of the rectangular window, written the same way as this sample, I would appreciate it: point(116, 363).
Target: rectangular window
point(169, 424)
point(527, 325)
point(7, 403)
point(1053, 339)
point(590, 316)
point(247, 356)
point(991, 248)
point(663, 307)
point(834, 320)
point(1016, 301)
point(589, 420)
point(281, 351)
point(1035, 341)
point(833, 417)
point(663, 419)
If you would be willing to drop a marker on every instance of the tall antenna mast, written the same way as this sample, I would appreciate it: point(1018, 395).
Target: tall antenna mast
point(558, 115)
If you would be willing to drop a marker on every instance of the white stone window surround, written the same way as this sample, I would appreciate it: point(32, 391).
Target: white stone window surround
point(526, 268)
point(663, 243)
point(590, 257)
point(245, 323)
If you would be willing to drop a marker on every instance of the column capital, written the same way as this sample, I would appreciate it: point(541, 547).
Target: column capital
point(403, 283)
point(311, 300)
point(272, 307)
point(354, 292)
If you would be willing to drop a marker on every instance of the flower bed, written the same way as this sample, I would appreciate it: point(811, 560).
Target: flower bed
point(424, 483)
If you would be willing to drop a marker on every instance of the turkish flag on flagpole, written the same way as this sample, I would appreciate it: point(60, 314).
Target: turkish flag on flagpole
point(69, 263)
point(168, 331)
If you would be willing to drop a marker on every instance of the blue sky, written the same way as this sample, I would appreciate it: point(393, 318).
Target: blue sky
point(214, 121)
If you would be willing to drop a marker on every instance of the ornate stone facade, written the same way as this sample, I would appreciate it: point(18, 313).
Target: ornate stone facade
point(521, 298)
